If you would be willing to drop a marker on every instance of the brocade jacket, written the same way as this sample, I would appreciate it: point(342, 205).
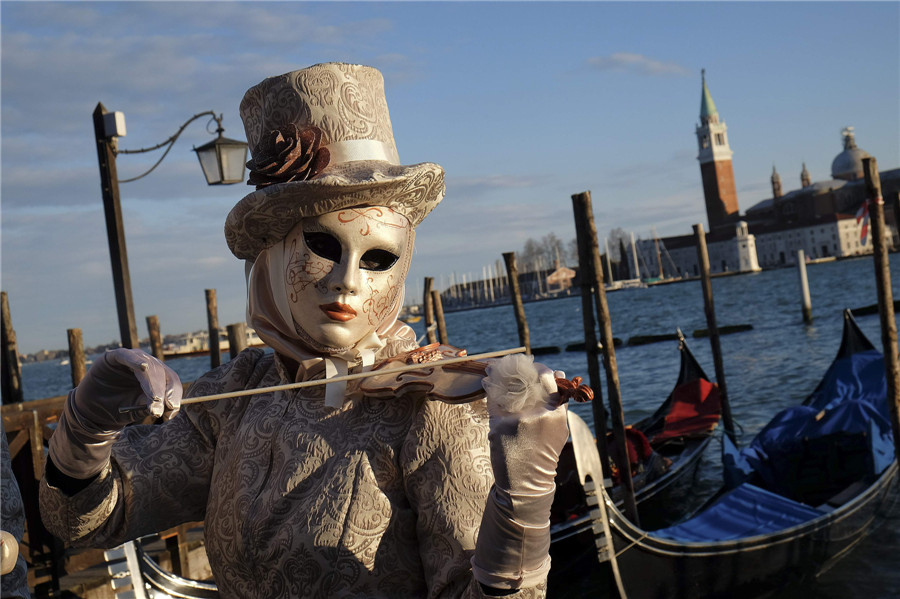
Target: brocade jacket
point(374, 499)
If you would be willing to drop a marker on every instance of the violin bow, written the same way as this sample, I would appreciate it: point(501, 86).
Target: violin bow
point(347, 377)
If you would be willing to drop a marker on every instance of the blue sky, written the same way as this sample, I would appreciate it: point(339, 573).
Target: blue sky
point(523, 104)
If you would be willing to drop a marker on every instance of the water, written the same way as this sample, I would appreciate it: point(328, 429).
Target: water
point(773, 366)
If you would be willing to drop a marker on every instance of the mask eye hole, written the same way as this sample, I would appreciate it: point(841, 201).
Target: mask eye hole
point(377, 260)
point(324, 245)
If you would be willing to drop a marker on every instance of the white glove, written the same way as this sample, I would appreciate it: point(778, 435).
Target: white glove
point(527, 433)
point(91, 420)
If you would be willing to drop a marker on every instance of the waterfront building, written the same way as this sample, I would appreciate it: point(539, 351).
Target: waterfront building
point(676, 257)
point(825, 219)
point(821, 218)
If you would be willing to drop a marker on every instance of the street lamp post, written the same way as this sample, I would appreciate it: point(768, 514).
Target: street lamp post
point(222, 161)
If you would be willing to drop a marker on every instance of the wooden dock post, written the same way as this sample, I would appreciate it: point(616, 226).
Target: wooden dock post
point(709, 308)
point(212, 320)
point(804, 287)
point(428, 306)
point(885, 294)
point(77, 363)
point(12, 370)
point(586, 233)
point(512, 273)
point(237, 338)
point(156, 349)
point(439, 316)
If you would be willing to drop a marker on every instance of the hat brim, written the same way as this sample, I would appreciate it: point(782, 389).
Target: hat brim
point(265, 216)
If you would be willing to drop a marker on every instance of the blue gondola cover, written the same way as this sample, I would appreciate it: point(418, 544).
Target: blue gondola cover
point(805, 454)
point(743, 512)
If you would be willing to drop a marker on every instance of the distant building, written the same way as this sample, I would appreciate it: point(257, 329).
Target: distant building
point(818, 218)
point(674, 257)
point(560, 279)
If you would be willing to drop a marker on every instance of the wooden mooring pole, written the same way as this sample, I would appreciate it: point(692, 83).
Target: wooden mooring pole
point(156, 348)
point(9, 360)
point(439, 316)
point(709, 308)
point(512, 274)
point(591, 346)
point(428, 307)
point(237, 338)
point(804, 287)
point(885, 294)
point(212, 320)
point(77, 363)
point(591, 270)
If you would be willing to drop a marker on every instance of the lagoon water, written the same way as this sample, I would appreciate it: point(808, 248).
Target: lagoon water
point(772, 366)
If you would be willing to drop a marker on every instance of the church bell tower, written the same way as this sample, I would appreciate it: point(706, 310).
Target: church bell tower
point(715, 164)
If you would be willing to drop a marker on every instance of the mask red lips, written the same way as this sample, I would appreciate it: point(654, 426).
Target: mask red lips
point(338, 311)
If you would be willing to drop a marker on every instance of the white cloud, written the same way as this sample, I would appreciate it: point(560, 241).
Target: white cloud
point(638, 63)
point(468, 187)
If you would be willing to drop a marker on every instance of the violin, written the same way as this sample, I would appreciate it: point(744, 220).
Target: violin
point(435, 379)
point(456, 382)
point(437, 372)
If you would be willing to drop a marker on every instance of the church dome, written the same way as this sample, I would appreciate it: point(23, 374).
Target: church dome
point(848, 164)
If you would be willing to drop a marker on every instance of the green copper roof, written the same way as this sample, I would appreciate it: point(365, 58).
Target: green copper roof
point(707, 106)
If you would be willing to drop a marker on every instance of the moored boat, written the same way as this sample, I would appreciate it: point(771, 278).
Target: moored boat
point(812, 484)
point(678, 432)
point(197, 343)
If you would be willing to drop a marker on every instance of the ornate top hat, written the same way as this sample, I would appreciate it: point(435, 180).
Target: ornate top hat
point(321, 140)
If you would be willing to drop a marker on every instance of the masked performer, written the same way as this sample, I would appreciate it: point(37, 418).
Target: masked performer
point(318, 492)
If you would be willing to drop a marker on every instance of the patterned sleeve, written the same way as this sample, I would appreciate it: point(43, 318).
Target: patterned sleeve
point(447, 476)
point(158, 476)
point(14, 584)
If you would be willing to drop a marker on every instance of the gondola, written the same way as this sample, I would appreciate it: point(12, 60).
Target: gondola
point(678, 432)
point(812, 484)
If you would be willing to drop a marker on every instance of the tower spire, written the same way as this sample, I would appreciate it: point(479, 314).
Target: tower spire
point(805, 179)
point(776, 183)
point(708, 111)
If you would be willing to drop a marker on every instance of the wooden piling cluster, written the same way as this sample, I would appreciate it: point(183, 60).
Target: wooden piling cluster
point(591, 270)
point(12, 391)
point(29, 426)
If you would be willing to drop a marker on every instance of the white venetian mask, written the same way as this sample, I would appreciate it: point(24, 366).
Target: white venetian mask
point(344, 272)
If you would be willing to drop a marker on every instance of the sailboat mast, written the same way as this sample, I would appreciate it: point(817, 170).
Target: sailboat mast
point(637, 266)
point(658, 255)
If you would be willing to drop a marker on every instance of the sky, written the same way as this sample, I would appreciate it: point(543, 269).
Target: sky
point(523, 104)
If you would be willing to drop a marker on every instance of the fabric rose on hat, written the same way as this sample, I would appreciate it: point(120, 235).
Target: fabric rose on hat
point(288, 154)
